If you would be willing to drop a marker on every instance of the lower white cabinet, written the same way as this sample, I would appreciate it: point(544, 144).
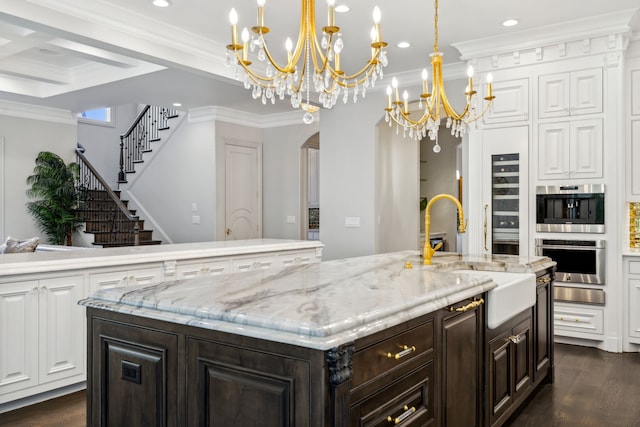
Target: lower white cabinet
point(578, 321)
point(632, 276)
point(42, 335)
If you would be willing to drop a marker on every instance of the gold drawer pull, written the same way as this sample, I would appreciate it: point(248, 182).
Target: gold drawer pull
point(406, 414)
point(544, 280)
point(406, 351)
point(473, 304)
point(515, 339)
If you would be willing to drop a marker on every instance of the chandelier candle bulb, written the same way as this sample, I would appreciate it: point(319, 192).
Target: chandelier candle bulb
point(377, 17)
point(373, 35)
point(288, 45)
point(470, 76)
point(389, 92)
point(489, 87)
point(261, 13)
point(331, 15)
point(233, 19)
point(245, 45)
point(405, 97)
point(425, 82)
point(394, 84)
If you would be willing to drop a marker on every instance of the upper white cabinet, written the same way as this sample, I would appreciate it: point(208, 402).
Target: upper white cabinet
point(633, 140)
point(570, 93)
point(511, 103)
point(570, 150)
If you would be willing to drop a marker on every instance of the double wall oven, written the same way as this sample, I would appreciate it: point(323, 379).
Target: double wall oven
point(570, 211)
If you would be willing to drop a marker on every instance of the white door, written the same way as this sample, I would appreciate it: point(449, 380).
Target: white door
point(243, 199)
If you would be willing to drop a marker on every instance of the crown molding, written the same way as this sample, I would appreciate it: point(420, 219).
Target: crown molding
point(604, 25)
point(35, 112)
point(214, 113)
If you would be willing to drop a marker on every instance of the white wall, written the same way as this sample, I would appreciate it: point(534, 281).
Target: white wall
point(281, 179)
point(348, 135)
point(26, 131)
point(182, 172)
point(396, 191)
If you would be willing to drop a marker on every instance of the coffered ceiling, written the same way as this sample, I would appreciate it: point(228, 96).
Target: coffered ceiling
point(82, 54)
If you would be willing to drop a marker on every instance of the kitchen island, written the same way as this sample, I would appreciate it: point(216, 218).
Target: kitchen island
point(359, 341)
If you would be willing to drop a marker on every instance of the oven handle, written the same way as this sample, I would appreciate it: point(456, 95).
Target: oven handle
point(577, 248)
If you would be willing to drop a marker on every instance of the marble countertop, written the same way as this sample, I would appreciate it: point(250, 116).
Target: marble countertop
point(321, 305)
point(59, 260)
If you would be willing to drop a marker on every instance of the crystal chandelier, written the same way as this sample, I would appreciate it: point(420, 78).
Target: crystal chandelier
point(434, 104)
point(293, 79)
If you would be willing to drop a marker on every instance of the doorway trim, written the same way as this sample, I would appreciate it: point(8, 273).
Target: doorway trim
point(312, 142)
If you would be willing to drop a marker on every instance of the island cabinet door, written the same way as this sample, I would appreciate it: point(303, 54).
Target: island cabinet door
point(462, 345)
point(236, 386)
point(134, 376)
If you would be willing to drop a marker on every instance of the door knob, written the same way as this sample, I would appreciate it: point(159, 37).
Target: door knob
point(228, 231)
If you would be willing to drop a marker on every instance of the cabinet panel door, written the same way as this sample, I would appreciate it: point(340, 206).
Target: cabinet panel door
point(553, 95)
point(522, 351)
point(145, 276)
point(634, 308)
point(586, 149)
point(18, 336)
point(586, 91)
point(62, 328)
point(231, 386)
point(511, 103)
point(634, 156)
point(553, 150)
point(542, 343)
point(500, 376)
point(250, 264)
point(107, 280)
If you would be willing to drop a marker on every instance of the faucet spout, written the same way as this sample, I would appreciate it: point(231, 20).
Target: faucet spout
point(428, 251)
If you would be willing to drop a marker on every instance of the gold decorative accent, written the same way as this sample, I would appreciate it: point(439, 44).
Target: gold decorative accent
point(435, 102)
point(485, 228)
point(473, 304)
point(312, 63)
point(406, 414)
point(405, 352)
point(428, 251)
point(408, 265)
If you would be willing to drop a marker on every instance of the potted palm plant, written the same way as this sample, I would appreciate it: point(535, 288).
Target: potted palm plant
point(53, 185)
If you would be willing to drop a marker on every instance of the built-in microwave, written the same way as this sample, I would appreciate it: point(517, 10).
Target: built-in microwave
point(570, 208)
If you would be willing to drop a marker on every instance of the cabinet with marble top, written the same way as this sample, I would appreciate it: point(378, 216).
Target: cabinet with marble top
point(347, 342)
point(44, 332)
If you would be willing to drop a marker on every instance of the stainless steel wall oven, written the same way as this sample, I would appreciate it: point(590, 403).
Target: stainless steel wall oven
point(570, 208)
point(580, 271)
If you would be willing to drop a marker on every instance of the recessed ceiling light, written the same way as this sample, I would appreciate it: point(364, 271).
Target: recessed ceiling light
point(403, 45)
point(342, 8)
point(509, 22)
point(177, 104)
point(161, 3)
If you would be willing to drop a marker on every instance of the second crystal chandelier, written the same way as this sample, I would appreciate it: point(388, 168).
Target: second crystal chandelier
point(434, 104)
point(296, 78)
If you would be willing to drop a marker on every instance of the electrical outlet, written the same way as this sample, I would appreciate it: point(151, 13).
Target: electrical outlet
point(195, 219)
point(352, 222)
point(291, 219)
point(194, 207)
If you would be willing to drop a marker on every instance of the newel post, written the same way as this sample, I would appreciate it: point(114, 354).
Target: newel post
point(121, 175)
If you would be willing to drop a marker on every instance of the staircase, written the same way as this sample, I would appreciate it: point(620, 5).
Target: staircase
point(105, 215)
point(110, 226)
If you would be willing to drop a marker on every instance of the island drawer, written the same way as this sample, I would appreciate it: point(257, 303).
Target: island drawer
point(393, 354)
point(408, 401)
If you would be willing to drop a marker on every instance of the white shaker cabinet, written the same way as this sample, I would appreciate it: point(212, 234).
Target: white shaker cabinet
point(570, 149)
point(632, 276)
point(570, 93)
point(44, 328)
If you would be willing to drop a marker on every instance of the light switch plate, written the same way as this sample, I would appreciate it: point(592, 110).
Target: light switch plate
point(352, 222)
point(291, 219)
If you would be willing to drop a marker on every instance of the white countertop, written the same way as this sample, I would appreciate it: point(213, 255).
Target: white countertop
point(50, 261)
point(320, 305)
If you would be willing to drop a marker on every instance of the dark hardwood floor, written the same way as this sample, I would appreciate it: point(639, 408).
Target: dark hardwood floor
point(592, 388)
